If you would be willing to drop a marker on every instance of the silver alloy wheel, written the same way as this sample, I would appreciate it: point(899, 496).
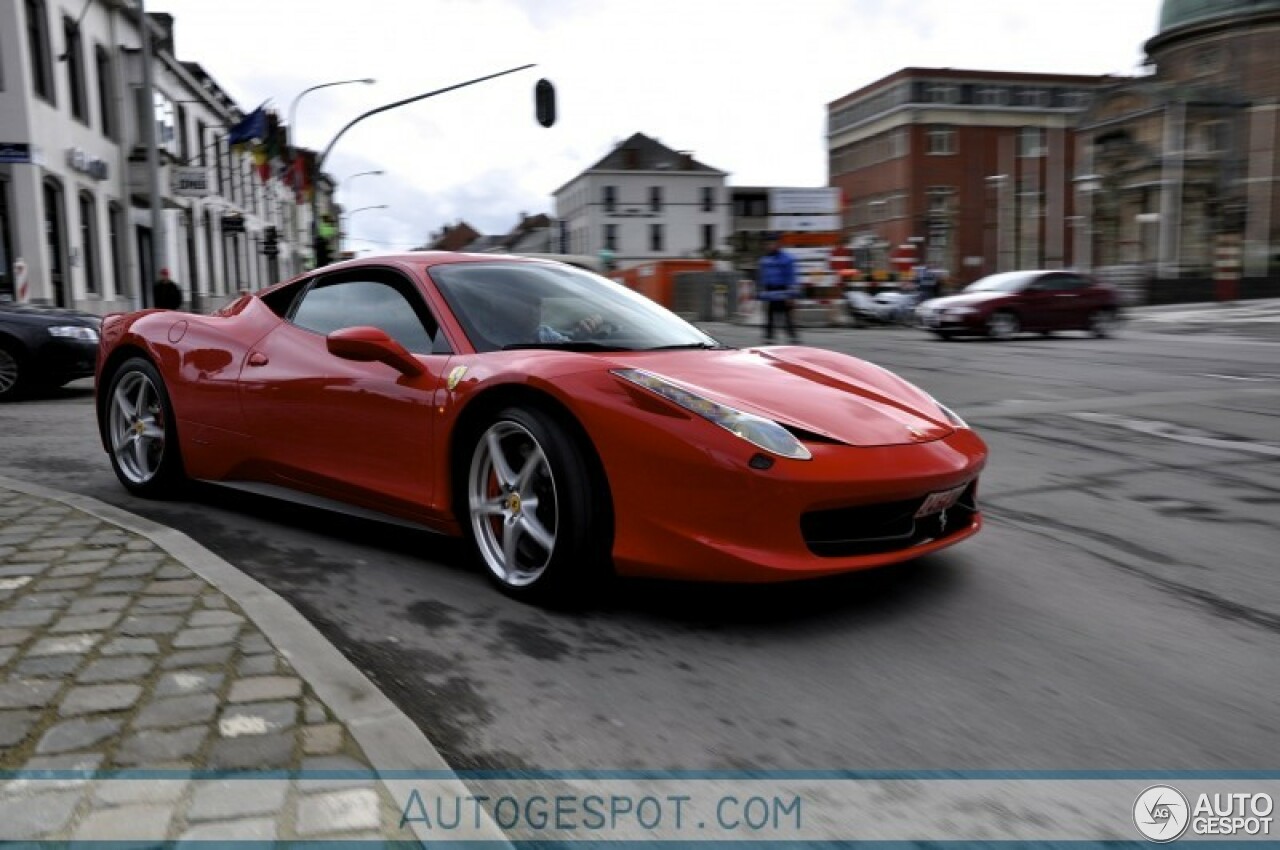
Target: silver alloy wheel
point(137, 428)
point(1002, 325)
point(513, 503)
point(8, 371)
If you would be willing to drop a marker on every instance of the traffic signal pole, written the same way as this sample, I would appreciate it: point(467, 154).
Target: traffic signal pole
point(319, 245)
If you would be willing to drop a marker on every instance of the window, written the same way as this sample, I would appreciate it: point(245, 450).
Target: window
point(184, 150)
point(38, 50)
point(328, 307)
point(941, 93)
point(106, 91)
point(992, 96)
point(611, 237)
point(899, 142)
point(1213, 137)
point(941, 140)
point(201, 134)
point(610, 198)
point(655, 199)
point(1076, 99)
point(74, 56)
point(708, 199)
point(115, 221)
point(1032, 97)
point(655, 237)
point(708, 237)
point(89, 242)
point(1031, 142)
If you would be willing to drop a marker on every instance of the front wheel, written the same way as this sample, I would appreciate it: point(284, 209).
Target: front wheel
point(1003, 325)
point(142, 431)
point(535, 515)
point(12, 381)
point(1102, 323)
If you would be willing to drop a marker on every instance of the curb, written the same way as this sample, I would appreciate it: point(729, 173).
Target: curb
point(387, 736)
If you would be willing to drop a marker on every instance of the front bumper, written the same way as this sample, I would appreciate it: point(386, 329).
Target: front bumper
point(938, 320)
point(716, 519)
point(57, 360)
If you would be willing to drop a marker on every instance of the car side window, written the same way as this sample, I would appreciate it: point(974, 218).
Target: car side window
point(1063, 282)
point(332, 305)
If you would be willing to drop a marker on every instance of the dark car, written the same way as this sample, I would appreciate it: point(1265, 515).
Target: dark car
point(43, 347)
point(1005, 304)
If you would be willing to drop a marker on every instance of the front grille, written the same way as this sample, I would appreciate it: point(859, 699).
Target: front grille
point(884, 527)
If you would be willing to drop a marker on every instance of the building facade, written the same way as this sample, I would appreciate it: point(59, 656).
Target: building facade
point(971, 169)
point(1180, 168)
point(644, 201)
point(75, 200)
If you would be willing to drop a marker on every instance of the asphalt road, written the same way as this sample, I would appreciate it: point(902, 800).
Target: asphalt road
point(1120, 610)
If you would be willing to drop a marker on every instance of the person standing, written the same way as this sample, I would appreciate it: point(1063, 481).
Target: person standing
point(165, 294)
point(778, 286)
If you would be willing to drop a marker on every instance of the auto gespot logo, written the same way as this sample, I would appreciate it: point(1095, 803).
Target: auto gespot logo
point(1163, 814)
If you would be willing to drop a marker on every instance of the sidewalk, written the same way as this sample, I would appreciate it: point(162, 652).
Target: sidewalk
point(125, 646)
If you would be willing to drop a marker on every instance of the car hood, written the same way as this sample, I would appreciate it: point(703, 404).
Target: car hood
point(829, 395)
point(37, 314)
point(967, 299)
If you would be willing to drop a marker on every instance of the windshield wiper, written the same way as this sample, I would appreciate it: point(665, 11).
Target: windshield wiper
point(568, 345)
point(706, 346)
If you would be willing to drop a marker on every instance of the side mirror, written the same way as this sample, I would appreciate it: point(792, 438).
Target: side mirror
point(367, 344)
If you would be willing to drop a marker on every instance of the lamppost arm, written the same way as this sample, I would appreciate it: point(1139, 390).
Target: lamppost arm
point(325, 155)
point(293, 107)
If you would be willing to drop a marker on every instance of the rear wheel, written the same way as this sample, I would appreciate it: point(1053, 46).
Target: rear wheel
point(1003, 325)
point(11, 369)
point(142, 431)
point(535, 516)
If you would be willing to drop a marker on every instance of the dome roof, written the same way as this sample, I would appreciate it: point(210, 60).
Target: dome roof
point(1179, 13)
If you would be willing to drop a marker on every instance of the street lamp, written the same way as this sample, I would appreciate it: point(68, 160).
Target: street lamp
point(347, 182)
point(362, 209)
point(293, 136)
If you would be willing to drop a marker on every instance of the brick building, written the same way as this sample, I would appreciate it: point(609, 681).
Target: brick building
point(973, 168)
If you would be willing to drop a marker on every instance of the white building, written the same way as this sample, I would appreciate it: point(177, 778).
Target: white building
point(644, 201)
point(75, 220)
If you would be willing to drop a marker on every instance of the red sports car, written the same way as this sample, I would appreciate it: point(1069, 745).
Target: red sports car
point(565, 425)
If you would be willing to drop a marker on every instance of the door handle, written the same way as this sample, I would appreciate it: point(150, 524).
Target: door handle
point(257, 358)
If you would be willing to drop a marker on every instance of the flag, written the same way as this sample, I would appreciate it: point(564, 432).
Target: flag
point(252, 126)
point(298, 175)
point(260, 163)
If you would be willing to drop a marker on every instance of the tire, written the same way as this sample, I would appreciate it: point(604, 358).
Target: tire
point(1102, 323)
point(12, 368)
point(1003, 325)
point(142, 431)
point(557, 552)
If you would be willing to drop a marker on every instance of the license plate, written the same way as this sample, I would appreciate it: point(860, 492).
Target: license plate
point(940, 501)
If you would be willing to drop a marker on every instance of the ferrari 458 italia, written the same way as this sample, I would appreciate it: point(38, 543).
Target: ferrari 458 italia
point(566, 426)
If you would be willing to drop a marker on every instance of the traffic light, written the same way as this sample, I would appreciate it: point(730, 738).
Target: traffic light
point(544, 102)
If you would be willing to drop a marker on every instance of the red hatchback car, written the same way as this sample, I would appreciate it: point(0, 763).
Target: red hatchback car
point(1003, 305)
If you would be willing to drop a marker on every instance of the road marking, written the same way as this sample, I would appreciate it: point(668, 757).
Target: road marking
point(1177, 433)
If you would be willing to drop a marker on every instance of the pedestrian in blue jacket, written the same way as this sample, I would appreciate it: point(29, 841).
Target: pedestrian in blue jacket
point(777, 287)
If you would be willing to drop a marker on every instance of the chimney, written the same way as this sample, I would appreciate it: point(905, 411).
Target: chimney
point(686, 160)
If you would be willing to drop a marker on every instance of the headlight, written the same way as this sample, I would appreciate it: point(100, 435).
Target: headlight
point(961, 311)
point(951, 415)
point(757, 430)
point(74, 332)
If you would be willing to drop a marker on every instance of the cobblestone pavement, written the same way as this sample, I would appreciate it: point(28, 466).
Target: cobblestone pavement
point(116, 656)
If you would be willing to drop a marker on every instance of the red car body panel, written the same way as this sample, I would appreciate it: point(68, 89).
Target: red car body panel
point(258, 399)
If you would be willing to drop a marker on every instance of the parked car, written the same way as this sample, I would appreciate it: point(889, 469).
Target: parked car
point(44, 347)
point(563, 424)
point(1003, 305)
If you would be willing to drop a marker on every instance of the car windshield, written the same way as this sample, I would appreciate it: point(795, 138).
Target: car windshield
point(505, 305)
point(1003, 282)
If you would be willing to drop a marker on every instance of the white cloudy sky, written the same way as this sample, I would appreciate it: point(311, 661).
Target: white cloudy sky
point(741, 83)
